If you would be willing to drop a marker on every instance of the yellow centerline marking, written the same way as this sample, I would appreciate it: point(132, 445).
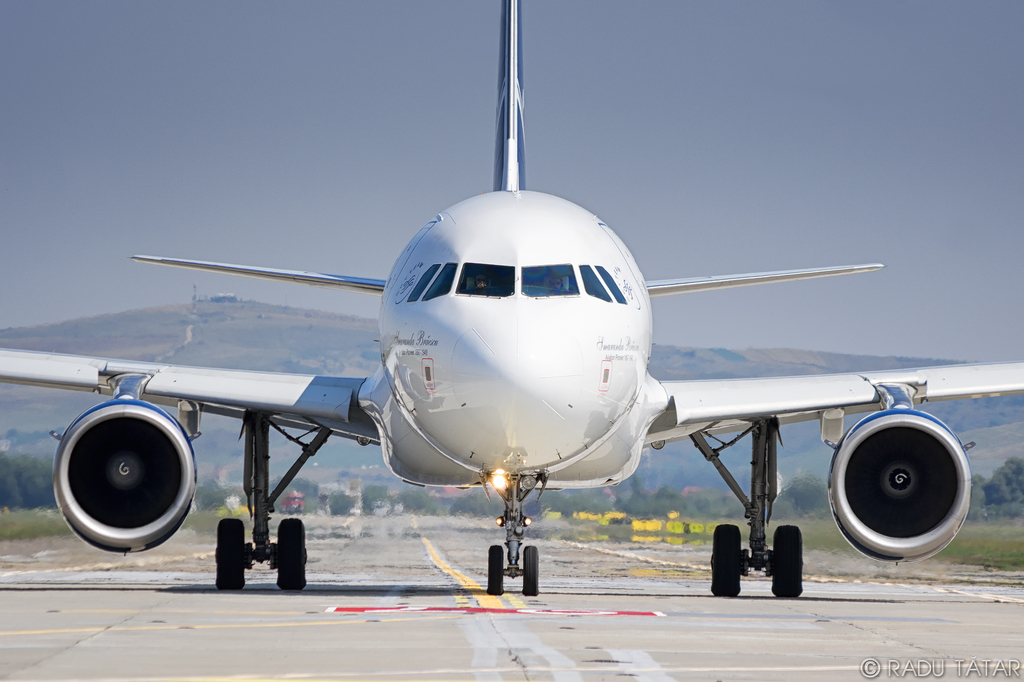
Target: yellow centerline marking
point(217, 626)
point(487, 601)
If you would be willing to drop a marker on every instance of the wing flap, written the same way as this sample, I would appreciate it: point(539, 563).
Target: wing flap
point(359, 285)
point(670, 287)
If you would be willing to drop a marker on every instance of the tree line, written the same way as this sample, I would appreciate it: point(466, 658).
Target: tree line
point(25, 482)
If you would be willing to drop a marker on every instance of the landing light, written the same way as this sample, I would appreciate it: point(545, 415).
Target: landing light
point(500, 521)
point(498, 479)
point(527, 521)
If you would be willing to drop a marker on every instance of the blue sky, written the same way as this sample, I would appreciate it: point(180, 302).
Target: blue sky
point(714, 138)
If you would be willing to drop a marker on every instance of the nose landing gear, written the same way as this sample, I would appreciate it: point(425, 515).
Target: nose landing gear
point(514, 489)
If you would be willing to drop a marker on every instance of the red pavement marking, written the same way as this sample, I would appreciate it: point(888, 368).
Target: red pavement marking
point(455, 609)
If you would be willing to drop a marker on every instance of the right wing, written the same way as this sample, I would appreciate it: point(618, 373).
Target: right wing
point(359, 285)
point(291, 399)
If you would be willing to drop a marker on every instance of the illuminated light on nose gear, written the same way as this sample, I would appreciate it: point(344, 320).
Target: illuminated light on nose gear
point(498, 479)
point(500, 521)
point(527, 521)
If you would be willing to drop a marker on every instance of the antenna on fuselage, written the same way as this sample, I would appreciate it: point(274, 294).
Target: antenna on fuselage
point(509, 146)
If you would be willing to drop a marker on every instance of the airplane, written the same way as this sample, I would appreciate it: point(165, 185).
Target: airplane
point(515, 336)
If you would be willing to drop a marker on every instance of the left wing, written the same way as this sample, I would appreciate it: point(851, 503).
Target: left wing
point(359, 285)
point(731, 404)
point(297, 399)
point(668, 287)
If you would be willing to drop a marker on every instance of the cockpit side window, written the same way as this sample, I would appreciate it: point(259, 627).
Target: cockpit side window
point(481, 279)
point(424, 281)
point(593, 285)
point(612, 287)
point(443, 284)
point(550, 280)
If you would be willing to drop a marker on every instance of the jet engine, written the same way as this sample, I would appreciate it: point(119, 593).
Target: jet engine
point(900, 485)
point(124, 475)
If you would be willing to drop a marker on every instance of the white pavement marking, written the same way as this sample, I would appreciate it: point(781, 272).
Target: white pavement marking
point(486, 643)
point(528, 649)
point(640, 665)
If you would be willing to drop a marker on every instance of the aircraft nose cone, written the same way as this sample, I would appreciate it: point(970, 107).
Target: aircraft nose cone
point(543, 353)
point(513, 362)
point(519, 391)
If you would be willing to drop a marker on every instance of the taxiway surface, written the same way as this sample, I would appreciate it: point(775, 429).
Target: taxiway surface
point(394, 598)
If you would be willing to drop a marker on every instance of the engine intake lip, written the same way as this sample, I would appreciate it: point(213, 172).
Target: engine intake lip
point(920, 538)
point(119, 535)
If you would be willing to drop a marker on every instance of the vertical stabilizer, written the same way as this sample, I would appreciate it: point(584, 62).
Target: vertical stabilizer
point(509, 145)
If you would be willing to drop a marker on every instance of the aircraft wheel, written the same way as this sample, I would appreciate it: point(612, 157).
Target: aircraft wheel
point(495, 571)
point(291, 555)
point(230, 554)
point(531, 571)
point(725, 561)
point(787, 562)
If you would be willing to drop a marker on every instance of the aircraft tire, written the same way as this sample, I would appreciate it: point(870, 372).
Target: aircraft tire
point(531, 572)
point(725, 561)
point(787, 562)
point(291, 555)
point(230, 554)
point(495, 571)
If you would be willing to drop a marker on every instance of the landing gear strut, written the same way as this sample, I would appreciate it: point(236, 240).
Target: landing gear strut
point(784, 563)
point(288, 555)
point(514, 489)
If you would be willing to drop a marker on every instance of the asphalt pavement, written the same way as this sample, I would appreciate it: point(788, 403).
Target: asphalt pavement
point(399, 598)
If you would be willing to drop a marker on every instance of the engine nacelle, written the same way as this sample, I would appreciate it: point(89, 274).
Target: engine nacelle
point(900, 485)
point(124, 475)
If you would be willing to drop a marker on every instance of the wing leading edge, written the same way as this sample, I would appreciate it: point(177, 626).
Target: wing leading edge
point(359, 285)
point(669, 287)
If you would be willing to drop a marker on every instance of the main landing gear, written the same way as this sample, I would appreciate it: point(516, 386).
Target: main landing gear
point(288, 555)
point(514, 489)
point(783, 563)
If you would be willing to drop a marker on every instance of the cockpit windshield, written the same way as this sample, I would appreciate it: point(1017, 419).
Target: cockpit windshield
point(549, 280)
point(480, 279)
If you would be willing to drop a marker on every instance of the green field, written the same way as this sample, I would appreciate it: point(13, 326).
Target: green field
point(32, 523)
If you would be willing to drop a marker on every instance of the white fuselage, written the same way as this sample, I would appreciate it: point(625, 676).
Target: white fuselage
point(514, 377)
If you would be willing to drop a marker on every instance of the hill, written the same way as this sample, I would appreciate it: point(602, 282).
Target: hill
point(260, 336)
